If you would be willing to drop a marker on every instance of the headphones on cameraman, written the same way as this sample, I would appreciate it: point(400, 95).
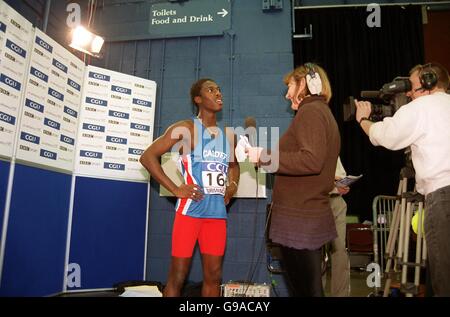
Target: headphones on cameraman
point(428, 77)
point(313, 80)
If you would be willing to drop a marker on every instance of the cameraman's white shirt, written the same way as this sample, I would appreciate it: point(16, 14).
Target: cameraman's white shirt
point(423, 124)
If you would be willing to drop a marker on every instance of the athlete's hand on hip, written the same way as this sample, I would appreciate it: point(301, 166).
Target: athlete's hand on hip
point(190, 191)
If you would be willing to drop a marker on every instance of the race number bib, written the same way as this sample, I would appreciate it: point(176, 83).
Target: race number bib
point(214, 177)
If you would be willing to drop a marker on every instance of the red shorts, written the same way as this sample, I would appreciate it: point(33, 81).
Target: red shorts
point(210, 233)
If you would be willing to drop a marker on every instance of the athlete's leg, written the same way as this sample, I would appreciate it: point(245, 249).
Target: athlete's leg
point(212, 275)
point(212, 240)
point(184, 236)
point(179, 269)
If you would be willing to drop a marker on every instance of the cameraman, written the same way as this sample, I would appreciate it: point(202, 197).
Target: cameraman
point(424, 124)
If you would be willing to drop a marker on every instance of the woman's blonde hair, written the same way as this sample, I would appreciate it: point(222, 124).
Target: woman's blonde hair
point(300, 72)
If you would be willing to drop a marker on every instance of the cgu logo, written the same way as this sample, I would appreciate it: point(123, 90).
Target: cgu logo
point(97, 102)
point(135, 151)
point(114, 166)
point(39, 74)
point(16, 48)
point(140, 102)
point(113, 139)
point(99, 76)
point(44, 44)
point(7, 118)
point(216, 167)
point(34, 105)
point(73, 84)
point(121, 90)
point(56, 94)
point(118, 114)
point(70, 112)
point(96, 155)
point(10, 82)
point(67, 140)
point(93, 127)
point(141, 127)
point(30, 138)
point(52, 124)
point(60, 66)
point(48, 154)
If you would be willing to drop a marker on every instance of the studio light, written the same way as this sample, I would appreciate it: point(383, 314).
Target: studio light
point(87, 42)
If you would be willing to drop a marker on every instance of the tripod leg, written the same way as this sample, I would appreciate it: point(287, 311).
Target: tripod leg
point(402, 230)
point(386, 229)
point(401, 188)
point(393, 233)
point(390, 247)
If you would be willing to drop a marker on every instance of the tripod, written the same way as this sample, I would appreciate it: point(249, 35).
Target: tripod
point(400, 229)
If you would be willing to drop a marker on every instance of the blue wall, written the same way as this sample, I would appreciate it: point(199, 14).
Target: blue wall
point(108, 231)
point(36, 235)
point(107, 241)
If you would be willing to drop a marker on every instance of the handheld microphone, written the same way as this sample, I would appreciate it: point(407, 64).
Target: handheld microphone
point(250, 128)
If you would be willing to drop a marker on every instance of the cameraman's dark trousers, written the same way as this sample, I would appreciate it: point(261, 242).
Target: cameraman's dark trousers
point(437, 237)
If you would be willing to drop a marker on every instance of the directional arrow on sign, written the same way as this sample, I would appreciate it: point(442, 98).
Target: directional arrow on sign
point(168, 19)
point(223, 13)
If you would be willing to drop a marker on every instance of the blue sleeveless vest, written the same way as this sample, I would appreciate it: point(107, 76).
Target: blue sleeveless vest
point(206, 166)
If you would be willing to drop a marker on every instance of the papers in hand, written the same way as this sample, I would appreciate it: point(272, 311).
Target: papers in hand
point(141, 291)
point(347, 181)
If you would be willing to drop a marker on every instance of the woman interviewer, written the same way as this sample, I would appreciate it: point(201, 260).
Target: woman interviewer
point(302, 220)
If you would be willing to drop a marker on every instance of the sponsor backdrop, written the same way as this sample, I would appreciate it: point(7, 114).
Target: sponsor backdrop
point(116, 125)
point(73, 195)
point(16, 35)
point(117, 115)
point(49, 118)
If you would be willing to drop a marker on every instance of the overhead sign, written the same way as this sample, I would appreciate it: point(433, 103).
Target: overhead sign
point(191, 18)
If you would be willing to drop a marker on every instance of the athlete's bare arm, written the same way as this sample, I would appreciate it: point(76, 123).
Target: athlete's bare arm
point(177, 136)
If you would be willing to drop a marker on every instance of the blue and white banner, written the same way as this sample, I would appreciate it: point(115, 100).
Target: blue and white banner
point(116, 124)
point(50, 116)
point(64, 115)
point(16, 35)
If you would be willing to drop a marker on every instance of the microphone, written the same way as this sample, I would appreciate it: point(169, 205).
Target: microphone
point(250, 128)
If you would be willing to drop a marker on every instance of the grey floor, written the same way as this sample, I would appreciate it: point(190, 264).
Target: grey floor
point(358, 284)
point(358, 287)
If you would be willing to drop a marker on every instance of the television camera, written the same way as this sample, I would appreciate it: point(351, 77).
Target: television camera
point(392, 96)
